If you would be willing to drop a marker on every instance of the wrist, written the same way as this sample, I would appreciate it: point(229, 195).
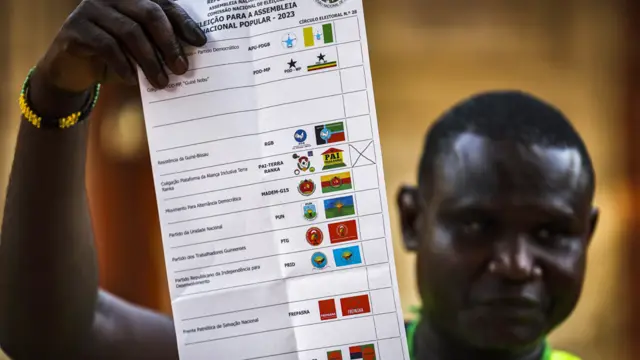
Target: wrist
point(48, 100)
point(53, 101)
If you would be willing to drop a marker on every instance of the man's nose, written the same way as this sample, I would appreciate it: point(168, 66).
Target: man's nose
point(514, 261)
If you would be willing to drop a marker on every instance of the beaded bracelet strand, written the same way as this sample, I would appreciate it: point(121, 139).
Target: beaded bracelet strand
point(62, 123)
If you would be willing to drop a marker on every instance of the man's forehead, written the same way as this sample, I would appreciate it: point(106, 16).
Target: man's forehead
point(476, 166)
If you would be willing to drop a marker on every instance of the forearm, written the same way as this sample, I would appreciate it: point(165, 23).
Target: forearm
point(48, 272)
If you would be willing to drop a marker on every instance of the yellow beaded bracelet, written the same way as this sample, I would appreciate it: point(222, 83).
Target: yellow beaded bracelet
point(62, 123)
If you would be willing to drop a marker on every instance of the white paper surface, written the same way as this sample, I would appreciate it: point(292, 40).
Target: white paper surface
point(268, 173)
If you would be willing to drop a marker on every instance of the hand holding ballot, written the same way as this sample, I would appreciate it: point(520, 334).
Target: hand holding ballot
point(103, 38)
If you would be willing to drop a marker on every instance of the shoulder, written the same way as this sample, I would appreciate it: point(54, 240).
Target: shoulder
point(408, 325)
point(125, 331)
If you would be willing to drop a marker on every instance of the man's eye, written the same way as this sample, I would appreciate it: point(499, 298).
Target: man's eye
point(472, 227)
point(551, 232)
point(553, 237)
point(544, 234)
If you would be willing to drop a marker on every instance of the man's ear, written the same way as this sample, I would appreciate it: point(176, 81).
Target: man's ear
point(593, 222)
point(408, 204)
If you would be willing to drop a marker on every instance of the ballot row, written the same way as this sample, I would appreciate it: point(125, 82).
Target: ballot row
point(301, 213)
point(342, 117)
point(320, 284)
point(257, 74)
point(201, 173)
point(385, 349)
point(324, 187)
point(374, 335)
point(263, 58)
point(304, 307)
point(288, 40)
point(270, 243)
point(222, 105)
point(279, 319)
point(310, 264)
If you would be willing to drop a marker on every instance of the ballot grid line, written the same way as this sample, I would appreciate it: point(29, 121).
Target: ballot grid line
point(281, 304)
point(384, 227)
point(255, 84)
point(252, 110)
point(352, 217)
point(268, 156)
point(359, 229)
point(380, 161)
point(265, 182)
point(376, 160)
point(353, 242)
point(286, 328)
point(366, 268)
point(344, 106)
point(262, 207)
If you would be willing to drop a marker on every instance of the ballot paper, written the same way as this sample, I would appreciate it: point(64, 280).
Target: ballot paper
point(270, 188)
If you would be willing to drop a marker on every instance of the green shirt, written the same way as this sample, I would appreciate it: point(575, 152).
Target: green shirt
point(549, 353)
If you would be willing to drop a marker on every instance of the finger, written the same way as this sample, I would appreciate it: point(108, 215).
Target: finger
point(131, 35)
point(184, 26)
point(96, 42)
point(155, 23)
point(111, 74)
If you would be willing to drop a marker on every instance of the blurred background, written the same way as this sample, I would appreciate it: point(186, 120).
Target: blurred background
point(582, 55)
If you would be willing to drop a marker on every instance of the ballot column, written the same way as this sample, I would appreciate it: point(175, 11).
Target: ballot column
point(368, 183)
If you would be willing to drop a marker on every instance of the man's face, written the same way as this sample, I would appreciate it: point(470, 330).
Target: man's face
point(501, 240)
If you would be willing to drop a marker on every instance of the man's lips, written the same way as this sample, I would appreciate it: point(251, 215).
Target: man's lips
point(511, 302)
point(519, 308)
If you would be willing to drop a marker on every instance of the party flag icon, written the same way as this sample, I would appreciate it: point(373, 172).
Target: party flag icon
point(338, 207)
point(318, 36)
point(347, 256)
point(336, 182)
point(343, 231)
point(364, 352)
point(330, 133)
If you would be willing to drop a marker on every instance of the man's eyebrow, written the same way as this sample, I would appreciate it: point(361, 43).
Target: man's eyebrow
point(553, 207)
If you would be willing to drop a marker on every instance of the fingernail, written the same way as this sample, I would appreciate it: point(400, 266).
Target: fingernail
point(181, 65)
point(163, 80)
point(200, 36)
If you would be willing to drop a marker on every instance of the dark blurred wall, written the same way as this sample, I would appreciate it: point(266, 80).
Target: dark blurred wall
point(632, 143)
point(4, 88)
point(4, 73)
